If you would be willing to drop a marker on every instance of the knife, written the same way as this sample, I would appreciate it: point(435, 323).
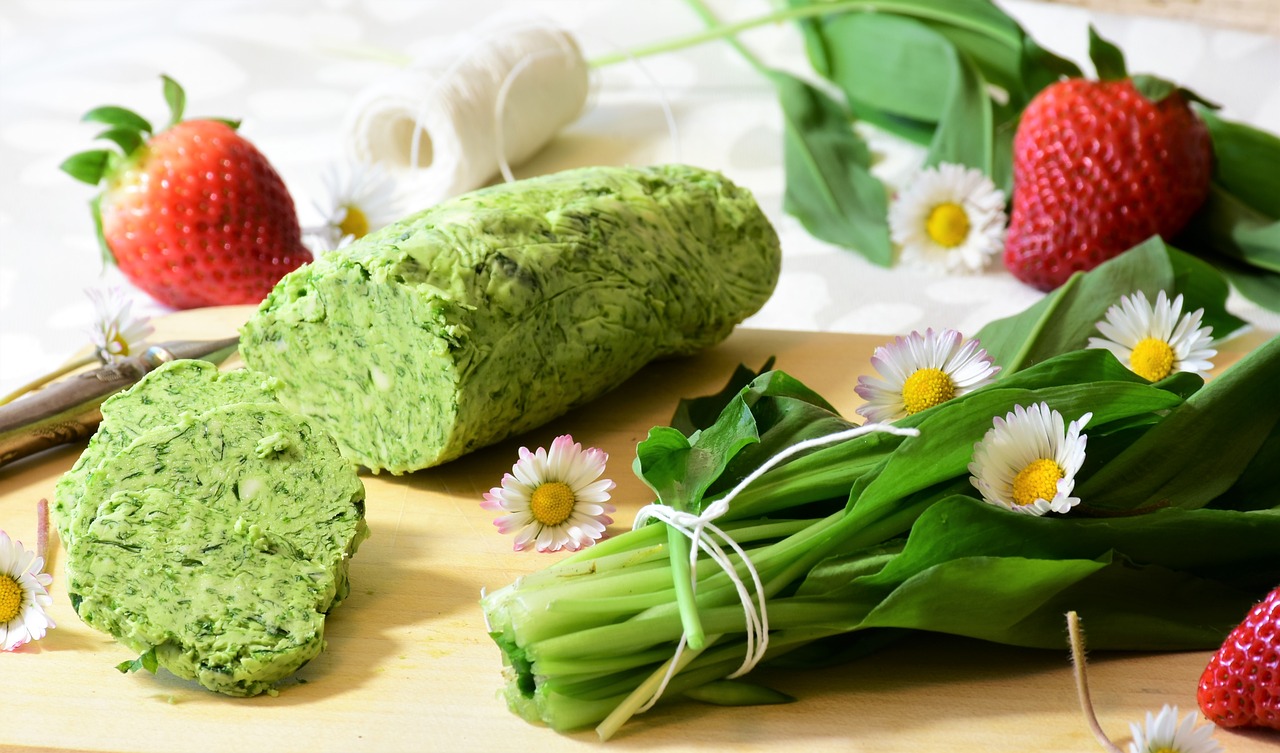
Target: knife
point(70, 410)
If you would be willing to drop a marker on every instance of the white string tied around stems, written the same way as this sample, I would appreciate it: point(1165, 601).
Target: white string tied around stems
point(700, 530)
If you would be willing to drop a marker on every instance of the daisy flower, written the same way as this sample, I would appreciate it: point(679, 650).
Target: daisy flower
point(1155, 341)
point(1027, 462)
point(23, 595)
point(556, 499)
point(921, 371)
point(115, 334)
point(950, 219)
point(1164, 734)
point(359, 198)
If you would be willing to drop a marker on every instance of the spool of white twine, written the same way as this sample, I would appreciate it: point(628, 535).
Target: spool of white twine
point(435, 124)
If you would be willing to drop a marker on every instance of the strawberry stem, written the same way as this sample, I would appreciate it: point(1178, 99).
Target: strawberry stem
point(1082, 683)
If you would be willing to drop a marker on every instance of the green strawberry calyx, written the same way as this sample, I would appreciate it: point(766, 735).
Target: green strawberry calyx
point(1108, 61)
point(129, 132)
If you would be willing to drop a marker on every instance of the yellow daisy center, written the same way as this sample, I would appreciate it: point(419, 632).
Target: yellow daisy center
point(947, 224)
point(1166, 750)
point(925, 389)
point(355, 224)
point(1152, 359)
point(10, 598)
point(1039, 480)
point(552, 503)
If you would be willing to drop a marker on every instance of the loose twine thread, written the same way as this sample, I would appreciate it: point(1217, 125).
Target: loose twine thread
point(449, 122)
point(700, 529)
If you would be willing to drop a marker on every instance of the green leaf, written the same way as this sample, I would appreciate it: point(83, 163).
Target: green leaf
point(1107, 59)
point(126, 138)
point(697, 413)
point(146, 661)
point(95, 211)
point(1234, 414)
point(869, 52)
point(1065, 319)
point(118, 117)
point(830, 188)
point(1040, 68)
point(88, 167)
point(1175, 579)
point(176, 98)
point(232, 124)
point(815, 43)
point(966, 131)
point(1153, 88)
point(1245, 160)
point(1241, 241)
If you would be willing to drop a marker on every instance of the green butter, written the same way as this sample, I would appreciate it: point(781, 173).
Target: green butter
point(218, 539)
point(172, 389)
point(493, 313)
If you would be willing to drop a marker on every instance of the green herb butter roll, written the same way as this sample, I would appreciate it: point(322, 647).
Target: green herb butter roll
point(495, 312)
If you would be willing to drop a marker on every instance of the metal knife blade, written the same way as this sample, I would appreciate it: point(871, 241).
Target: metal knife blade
point(69, 410)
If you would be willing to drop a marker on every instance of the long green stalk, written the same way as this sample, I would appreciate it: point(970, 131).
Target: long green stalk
point(902, 7)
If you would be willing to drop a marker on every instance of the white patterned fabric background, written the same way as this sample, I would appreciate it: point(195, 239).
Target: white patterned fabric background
point(290, 69)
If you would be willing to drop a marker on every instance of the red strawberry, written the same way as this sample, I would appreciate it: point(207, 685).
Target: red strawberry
point(1241, 685)
point(1100, 166)
point(194, 215)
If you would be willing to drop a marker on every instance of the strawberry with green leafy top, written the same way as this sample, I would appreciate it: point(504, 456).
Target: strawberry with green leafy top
point(1100, 166)
point(193, 214)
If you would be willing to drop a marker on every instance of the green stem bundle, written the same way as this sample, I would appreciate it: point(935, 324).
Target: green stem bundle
point(878, 531)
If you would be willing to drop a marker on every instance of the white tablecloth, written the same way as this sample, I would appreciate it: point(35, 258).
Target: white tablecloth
point(287, 68)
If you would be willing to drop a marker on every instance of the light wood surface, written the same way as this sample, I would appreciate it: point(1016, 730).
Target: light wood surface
point(409, 665)
point(1259, 16)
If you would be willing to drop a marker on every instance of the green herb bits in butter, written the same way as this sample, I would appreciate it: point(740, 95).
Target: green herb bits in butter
point(219, 537)
point(493, 313)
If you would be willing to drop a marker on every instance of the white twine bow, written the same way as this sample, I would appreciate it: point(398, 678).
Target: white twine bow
point(700, 529)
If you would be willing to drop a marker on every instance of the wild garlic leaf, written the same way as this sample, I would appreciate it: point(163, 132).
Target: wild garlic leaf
point(1066, 318)
point(830, 188)
point(1235, 413)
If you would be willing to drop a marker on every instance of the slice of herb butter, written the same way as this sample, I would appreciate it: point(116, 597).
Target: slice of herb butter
point(218, 540)
point(492, 313)
point(172, 389)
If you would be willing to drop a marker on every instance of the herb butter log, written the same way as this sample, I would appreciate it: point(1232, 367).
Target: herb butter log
point(492, 313)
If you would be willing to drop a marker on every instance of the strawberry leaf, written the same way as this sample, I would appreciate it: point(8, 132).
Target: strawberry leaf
point(1107, 59)
point(176, 98)
point(88, 167)
point(229, 123)
point(95, 211)
point(117, 117)
point(127, 139)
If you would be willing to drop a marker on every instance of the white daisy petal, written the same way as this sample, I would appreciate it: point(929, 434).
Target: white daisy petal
point(1156, 340)
point(955, 368)
point(358, 198)
point(23, 596)
point(950, 219)
point(1162, 733)
point(1027, 461)
point(555, 498)
point(115, 333)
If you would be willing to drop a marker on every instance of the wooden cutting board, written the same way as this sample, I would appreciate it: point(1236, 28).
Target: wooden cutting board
point(409, 665)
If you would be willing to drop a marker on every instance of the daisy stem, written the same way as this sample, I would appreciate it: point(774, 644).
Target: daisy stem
point(1076, 638)
point(36, 384)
